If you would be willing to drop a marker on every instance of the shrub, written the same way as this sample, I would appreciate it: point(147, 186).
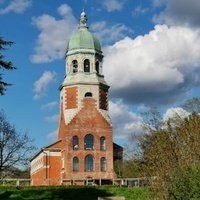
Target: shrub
point(185, 184)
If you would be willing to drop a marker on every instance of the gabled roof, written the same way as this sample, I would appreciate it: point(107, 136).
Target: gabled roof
point(55, 146)
point(116, 146)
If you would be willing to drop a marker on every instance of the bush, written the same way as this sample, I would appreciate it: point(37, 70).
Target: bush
point(185, 184)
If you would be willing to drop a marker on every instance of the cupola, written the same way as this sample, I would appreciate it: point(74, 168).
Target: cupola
point(83, 39)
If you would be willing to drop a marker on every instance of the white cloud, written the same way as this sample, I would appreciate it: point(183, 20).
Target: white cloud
point(139, 10)
point(42, 84)
point(52, 41)
point(16, 6)
point(157, 3)
point(50, 106)
point(178, 12)
point(156, 68)
point(53, 118)
point(107, 33)
point(173, 113)
point(112, 5)
point(53, 135)
point(124, 121)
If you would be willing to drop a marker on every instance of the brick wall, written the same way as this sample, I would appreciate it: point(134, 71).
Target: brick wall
point(88, 120)
point(49, 172)
point(71, 98)
point(103, 99)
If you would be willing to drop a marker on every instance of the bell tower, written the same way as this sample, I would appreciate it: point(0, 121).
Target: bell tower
point(85, 126)
point(84, 149)
point(84, 77)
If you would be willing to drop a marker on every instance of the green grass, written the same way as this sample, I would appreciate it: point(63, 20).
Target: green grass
point(72, 193)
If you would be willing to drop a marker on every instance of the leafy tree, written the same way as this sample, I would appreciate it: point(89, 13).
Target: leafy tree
point(15, 147)
point(118, 168)
point(8, 65)
point(171, 148)
point(185, 184)
point(14, 172)
point(152, 123)
point(139, 144)
point(20, 173)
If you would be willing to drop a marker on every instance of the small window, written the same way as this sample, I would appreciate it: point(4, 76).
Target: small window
point(88, 94)
point(97, 66)
point(102, 143)
point(75, 66)
point(89, 163)
point(89, 142)
point(75, 164)
point(86, 65)
point(103, 164)
point(75, 143)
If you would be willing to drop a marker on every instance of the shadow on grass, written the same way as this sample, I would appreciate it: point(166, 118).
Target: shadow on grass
point(5, 195)
point(58, 193)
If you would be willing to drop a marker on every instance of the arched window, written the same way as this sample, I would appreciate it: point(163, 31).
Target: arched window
point(89, 163)
point(103, 164)
point(89, 142)
point(75, 66)
point(97, 66)
point(86, 65)
point(75, 164)
point(102, 143)
point(88, 94)
point(75, 143)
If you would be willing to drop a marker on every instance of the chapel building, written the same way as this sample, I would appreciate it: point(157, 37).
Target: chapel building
point(84, 150)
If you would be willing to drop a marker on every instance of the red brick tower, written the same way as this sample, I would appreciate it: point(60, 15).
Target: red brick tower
point(84, 150)
point(85, 127)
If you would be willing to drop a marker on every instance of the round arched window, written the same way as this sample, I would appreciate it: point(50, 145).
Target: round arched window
point(89, 142)
point(88, 94)
point(102, 143)
point(89, 163)
point(86, 65)
point(97, 66)
point(75, 143)
point(103, 164)
point(75, 164)
point(75, 66)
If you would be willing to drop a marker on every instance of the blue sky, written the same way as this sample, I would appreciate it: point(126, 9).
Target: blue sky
point(151, 50)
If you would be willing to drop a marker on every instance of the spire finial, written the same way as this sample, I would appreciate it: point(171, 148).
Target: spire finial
point(83, 20)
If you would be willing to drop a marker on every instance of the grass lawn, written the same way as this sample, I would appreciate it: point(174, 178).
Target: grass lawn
point(72, 193)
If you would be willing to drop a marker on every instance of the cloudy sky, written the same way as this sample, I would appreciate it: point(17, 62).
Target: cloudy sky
point(151, 58)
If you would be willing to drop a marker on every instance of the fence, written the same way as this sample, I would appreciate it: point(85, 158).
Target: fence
point(129, 182)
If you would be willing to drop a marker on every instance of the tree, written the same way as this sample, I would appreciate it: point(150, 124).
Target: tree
point(8, 65)
point(152, 119)
point(192, 105)
point(15, 147)
point(185, 184)
point(134, 160)
point(171, 148)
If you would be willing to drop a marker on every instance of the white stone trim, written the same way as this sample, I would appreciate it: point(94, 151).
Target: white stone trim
point(38, 162)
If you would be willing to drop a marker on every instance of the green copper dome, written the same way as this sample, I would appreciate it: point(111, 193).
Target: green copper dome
point(83, 39)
